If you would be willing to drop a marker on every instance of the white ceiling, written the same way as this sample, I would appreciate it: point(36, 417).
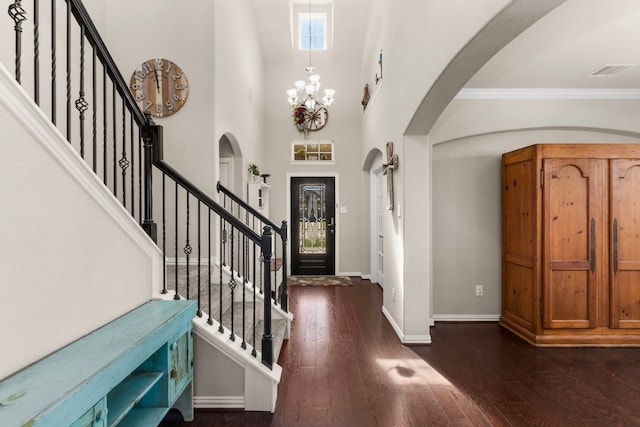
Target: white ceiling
point(569, 43)
point(559, 51)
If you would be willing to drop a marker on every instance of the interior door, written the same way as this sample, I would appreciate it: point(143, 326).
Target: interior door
point(625, 242)
point(379, 237)
point(575, 199)
point(313, 226)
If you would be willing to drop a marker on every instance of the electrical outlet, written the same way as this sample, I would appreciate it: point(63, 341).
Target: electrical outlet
point(479, 290)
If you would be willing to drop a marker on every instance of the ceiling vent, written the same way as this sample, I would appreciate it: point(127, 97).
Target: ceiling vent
point(610, 70)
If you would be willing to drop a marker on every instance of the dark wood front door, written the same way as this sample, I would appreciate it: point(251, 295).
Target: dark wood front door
point(313, 226)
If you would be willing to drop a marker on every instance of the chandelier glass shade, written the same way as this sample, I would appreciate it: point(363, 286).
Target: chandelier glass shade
point(307, 94)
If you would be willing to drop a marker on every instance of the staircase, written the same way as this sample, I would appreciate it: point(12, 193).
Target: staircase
point(212, 338)
point(221, 254)
point(241, 309)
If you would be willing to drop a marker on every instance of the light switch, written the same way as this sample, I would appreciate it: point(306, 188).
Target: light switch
point(343, 209)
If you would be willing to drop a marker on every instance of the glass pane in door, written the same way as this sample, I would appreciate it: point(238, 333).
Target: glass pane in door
point(312, 236)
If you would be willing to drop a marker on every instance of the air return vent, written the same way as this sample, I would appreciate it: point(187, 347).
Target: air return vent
point(610, 70)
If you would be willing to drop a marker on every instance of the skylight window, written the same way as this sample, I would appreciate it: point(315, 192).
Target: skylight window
point(312, 31)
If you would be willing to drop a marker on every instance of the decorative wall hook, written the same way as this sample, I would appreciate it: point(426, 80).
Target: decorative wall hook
point(380, 64)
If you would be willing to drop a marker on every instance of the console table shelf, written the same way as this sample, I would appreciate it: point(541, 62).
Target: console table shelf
point(129, 372)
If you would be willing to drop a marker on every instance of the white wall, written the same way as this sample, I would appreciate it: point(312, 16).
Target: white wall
point(419, 39)
point(343, 127)
point(467, 213)
point(216, 45)
point(71, 258)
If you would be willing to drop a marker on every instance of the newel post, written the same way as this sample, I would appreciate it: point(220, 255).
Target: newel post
point(284, 299)
point(267, 338)
point(153, 139)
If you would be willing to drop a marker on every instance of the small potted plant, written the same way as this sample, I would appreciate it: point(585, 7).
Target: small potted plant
point(254, 171)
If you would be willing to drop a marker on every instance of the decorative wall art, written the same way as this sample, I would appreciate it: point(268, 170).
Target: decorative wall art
point(387, 169)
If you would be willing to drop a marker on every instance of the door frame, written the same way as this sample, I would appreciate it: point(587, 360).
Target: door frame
point(375, 175)
point(335, 176)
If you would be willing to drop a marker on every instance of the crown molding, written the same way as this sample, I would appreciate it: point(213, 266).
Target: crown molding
point(547, 93)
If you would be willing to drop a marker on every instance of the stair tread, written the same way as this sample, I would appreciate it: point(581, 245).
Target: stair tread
point(278, 325)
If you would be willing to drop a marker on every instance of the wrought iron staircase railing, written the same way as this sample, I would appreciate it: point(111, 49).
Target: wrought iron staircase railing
point(257, 221)
point(121, 145)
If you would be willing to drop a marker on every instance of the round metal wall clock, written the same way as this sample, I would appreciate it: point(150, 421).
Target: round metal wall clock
point(160, 87)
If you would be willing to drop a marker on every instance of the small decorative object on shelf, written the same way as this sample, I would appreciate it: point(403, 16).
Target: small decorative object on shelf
point(365, 98)
point(254, 171)
point(265, 176)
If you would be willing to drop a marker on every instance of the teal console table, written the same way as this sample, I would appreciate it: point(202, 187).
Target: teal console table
point(129, 372)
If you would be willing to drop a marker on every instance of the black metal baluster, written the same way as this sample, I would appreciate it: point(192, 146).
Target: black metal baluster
point(17, 13)
point(245, 255)
point(81, 103)
point(267, 337)
point(164, 236)
point(232, 286)
point(261, 258)
point(69, 72)
point(140, 178)
point(254, 353)
point(115, 139)
point(210, 320)
point(94, 112)
point(133, 167)
point(187, 247)
point(124, 162)
point(222, 243)
point(199, 312)
point(105, 124)
point(176, 248)
point(36, 52)
point(53, 61)
point(223, 255)
point(284, 301)
point(274, 260)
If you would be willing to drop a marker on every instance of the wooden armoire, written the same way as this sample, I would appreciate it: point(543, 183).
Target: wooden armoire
point(571, 244)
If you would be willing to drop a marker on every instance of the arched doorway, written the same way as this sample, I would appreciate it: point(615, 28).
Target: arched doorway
point(230, 163)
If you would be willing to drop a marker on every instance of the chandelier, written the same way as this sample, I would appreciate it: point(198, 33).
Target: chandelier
point(310, 112)
point(306, 95)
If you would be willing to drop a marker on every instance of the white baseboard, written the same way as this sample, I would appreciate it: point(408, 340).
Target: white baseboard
point(465, 317)
point(352, 273)
point(406, 339)
point(365, 277)
point(219, 402)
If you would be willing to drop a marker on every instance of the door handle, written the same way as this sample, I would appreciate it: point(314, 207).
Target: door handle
point(330, 226)
point(593, 245)
point(615, 245)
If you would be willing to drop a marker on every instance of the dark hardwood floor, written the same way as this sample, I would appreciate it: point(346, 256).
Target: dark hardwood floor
point(344, 366)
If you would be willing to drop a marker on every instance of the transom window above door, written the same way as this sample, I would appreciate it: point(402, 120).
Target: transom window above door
point(312, 151)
